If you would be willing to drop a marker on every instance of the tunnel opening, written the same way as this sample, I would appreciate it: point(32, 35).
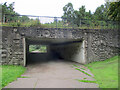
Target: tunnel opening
point(38, 49)
point(44, 50)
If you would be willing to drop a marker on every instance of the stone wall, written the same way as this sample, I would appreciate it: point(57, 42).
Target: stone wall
point(0, 44)
point(98, 44)
point(12, 47)
point(102, 44)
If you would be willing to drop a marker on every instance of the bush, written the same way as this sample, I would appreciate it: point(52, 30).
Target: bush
point(32, 23)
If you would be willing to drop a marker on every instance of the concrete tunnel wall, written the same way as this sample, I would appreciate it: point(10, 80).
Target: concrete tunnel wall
point(74, 51)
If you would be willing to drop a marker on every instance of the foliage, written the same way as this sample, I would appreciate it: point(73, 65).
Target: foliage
point(59, 24)
point(80, 15)
point(11, 18)
point(38, 48)
point(68, 12)
point(85, 20)
point(101, 12)
point(105, 72)
point(71, 18)
point(24, 19)
point(11, 73)
point(8, 9)
point(114, 11)
point(31, 23)
point(81, 18)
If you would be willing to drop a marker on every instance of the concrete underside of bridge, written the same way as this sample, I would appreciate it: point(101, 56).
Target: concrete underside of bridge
point(66, 49)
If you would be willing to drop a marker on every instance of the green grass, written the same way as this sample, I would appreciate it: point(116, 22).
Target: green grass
point(83, 71)
point(84, 78)
point(105, 72)
point(87, 81)
point(11, 73)
point(23, 77)
point(75, 65)
point(78, 67)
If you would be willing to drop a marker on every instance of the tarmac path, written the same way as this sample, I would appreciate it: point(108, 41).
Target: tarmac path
point(54, 74)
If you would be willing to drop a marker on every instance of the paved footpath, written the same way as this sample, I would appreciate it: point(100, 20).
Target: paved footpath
point(53, 74)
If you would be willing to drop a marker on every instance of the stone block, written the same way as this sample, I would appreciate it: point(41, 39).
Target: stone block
point(18, 53)
point(15, 30)
point(16, 41)
point(10, 62)
point(3, 55)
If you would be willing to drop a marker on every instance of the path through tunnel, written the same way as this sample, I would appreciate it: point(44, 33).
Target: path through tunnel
point(56, 49)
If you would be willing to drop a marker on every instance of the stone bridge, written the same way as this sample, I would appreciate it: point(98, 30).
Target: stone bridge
point(79, 45)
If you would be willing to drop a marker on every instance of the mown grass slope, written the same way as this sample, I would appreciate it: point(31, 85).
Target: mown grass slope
point(105, 72)
point(10, 73)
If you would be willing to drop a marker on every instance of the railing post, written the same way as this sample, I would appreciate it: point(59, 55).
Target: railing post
point(3, 19)
point(38, 20)
point(55, 19)
point(56, 23)
point(80, 22)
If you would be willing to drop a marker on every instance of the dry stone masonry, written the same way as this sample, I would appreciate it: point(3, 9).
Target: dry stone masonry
point(80, 45)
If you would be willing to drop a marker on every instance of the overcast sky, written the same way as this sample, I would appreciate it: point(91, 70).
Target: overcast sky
point(51, 7)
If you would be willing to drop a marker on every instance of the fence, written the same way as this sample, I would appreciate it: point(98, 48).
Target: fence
point(56, 22)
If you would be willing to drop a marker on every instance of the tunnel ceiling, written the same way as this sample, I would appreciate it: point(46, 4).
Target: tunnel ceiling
point(50, 41)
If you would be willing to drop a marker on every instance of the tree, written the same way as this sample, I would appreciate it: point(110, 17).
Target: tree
point(101, 12)
point(8, 12)
point(68, 13)
point(76, 17)
point(114, 11)
point(89, 15)
point(79, 16)
point(82, 12)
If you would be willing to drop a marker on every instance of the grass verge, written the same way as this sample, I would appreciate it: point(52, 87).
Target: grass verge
point(11, 73)
point(105, 72)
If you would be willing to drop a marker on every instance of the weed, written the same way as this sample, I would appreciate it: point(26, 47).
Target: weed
point(23, 77)
point(83, 72)
point(87, 81)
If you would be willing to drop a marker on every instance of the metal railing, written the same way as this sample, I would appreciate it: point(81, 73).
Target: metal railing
point(57, 22)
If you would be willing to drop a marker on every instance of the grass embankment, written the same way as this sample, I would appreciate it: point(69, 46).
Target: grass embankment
point(105, 72)
point(11, 73)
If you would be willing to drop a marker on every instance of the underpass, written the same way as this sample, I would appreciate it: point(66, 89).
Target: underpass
point(65, 49)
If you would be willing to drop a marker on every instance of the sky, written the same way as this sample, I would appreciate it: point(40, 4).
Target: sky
point(51, 7)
